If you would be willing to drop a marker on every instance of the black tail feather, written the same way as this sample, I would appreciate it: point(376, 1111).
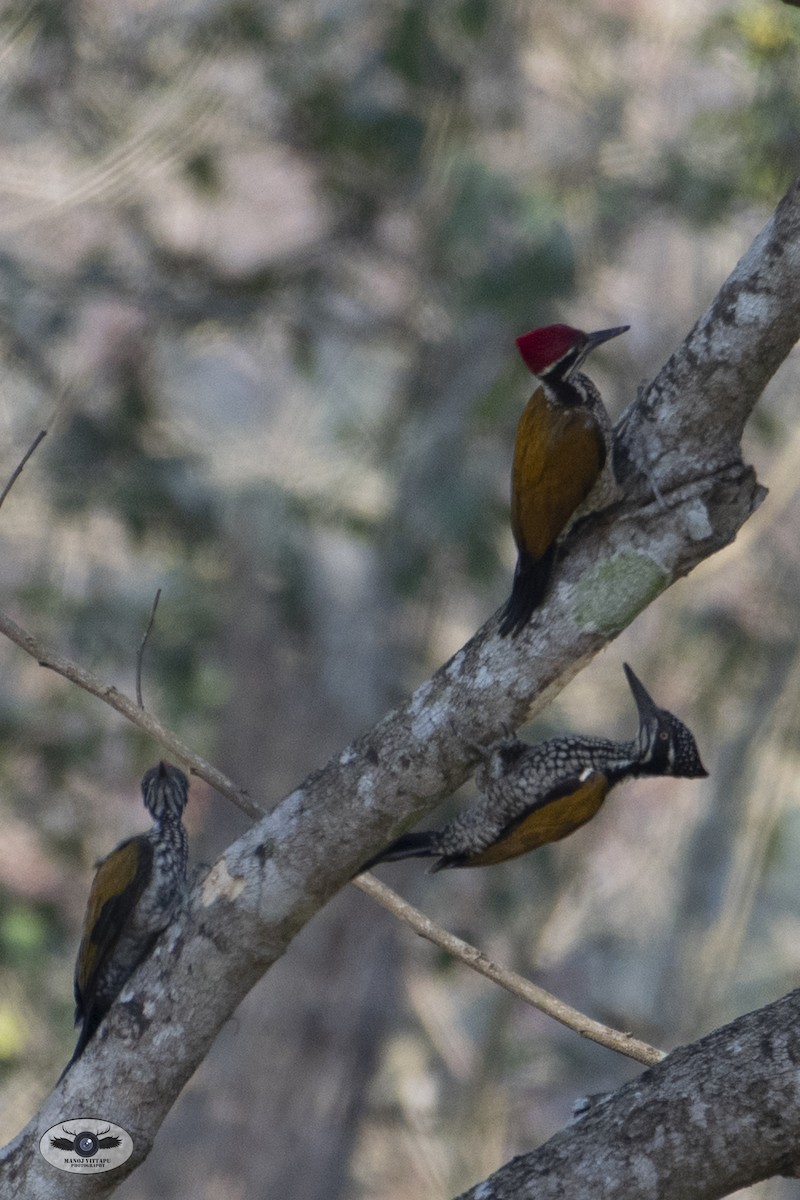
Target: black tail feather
point(531, 580)
point(408, 845)
point(88, 1030)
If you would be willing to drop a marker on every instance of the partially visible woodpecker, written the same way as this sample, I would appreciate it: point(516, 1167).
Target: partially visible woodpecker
point(533, 795)
point(137, 892)
point(562, 459)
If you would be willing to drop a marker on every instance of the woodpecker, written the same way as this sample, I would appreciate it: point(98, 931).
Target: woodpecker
point(533, 795)
point(562, 459)
point(137, 891)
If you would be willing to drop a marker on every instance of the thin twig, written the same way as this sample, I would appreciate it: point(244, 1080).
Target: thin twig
point(546, 1002)
point(140, 655)
point(128, 708)
point(19, 468)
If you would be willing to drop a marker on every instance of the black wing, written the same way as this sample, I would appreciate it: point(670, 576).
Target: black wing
point(63, 1143)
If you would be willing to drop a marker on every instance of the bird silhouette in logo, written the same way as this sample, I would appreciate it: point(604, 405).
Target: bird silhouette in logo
point(85, 1142)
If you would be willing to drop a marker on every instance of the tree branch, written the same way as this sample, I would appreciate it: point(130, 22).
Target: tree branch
point(143, 644)
point(128, 708)
point(679, 437)
point(15, 474)
point(546, 1002)
point(713, 1117)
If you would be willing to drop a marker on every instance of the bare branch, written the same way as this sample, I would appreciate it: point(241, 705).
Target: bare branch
point(41, 435)
point(140, 655)
point(134, 713)
point(712, 1118)
point(546, 1002)
point(695, 409)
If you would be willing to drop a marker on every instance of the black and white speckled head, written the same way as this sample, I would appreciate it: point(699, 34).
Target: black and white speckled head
point(165, 790)
point(664, 746)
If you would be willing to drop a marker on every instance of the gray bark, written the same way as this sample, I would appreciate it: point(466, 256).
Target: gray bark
point(687, 493)
point(711, 1118)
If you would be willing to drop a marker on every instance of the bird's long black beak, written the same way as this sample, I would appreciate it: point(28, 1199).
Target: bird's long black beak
point(604, 335)
point(644, 701)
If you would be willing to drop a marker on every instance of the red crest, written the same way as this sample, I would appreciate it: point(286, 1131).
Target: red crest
point(540, 348)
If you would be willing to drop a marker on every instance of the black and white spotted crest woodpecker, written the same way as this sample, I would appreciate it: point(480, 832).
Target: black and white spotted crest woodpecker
point(532, 795)
point(138, 889)
point(562, 459)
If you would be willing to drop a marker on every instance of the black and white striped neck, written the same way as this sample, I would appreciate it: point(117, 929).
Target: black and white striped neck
point(571, 391)
point(170, 840)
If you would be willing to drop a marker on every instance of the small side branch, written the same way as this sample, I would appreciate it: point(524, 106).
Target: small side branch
point(546, 1002)
point(140, 655)
point(128, 708)
point(41, 435)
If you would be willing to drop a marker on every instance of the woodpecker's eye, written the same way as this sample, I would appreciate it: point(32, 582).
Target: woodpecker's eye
point(663, 736)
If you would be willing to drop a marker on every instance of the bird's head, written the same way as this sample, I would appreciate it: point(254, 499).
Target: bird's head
point(664, 745)
point(165, 790)
point(558, 350)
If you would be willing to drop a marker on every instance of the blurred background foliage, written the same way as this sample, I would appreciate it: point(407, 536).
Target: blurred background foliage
point(261, 268)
